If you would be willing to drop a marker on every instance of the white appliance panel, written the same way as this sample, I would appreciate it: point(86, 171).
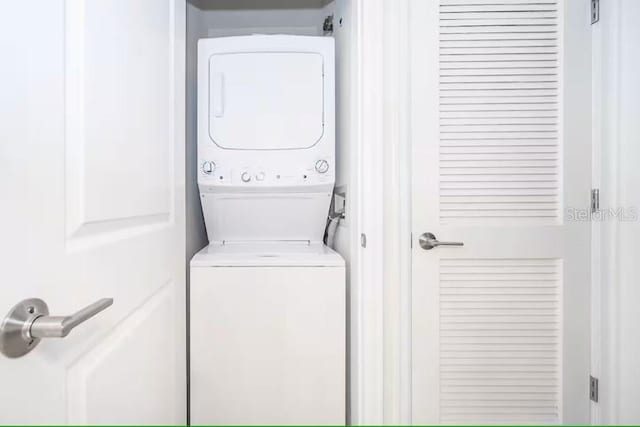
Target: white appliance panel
point(267, 254)
point(266, 100)
point(266, 217)
point(268, 345)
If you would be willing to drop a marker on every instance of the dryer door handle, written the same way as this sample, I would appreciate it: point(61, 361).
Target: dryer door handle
point(217, 94)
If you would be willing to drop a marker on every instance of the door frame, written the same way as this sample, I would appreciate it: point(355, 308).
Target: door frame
point(397, 227)
point(365, 384)
point(597, 311)
point(607, 162)
point(380, 307)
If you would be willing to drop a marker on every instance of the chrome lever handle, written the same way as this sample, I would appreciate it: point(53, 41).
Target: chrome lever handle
point(60, 326)
point(29, 321)
point(429, 241)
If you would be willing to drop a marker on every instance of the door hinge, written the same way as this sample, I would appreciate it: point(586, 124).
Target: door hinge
point(327, 25)
point(595, 11)
point(595, 200)
point(593, 388)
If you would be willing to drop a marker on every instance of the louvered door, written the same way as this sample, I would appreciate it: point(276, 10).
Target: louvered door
point(501, 152)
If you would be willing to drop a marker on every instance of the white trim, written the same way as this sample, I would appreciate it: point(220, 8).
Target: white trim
point(381, 272)
point(299, 31)
point(381, 278)
point(596, 228)
point(605, 336)
point(397, 214)
point(367, 269)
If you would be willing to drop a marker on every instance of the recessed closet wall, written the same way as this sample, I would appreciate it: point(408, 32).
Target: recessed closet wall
point(219, 18)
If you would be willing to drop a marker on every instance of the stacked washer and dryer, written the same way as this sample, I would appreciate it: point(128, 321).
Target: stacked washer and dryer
point(267, 301)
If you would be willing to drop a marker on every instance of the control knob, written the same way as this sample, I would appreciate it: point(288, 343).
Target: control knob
point(245, 177)
point(322, 166)
point(208, 167)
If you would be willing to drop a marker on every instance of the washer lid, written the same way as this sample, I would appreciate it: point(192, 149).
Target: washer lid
point(266, 100)
point(267, 254)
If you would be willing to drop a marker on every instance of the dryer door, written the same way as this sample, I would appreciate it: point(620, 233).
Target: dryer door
point(266, 100)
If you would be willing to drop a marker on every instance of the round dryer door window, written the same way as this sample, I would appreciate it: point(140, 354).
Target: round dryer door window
point(266, 100)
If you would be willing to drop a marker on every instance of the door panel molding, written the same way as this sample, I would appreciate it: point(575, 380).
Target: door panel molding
point(103, 190)
point(145, 328)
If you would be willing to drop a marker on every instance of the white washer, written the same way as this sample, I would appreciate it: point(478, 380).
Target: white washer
point(267, 335)
point(267, 297)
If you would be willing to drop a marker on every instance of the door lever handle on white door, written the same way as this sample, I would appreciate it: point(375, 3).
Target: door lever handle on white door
point(60, 326)
point(29, 321)
point(429, 241)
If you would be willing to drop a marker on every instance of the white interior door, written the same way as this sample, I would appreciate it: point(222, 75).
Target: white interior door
point(92, 191)
point(501, 110)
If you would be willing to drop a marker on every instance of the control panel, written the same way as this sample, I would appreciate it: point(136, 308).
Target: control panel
point(212, 173)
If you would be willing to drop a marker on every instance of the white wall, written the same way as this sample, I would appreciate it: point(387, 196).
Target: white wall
point(620, 188)
point(344, 33)
point(196, 233)
point(345, 48)
point(241, 17)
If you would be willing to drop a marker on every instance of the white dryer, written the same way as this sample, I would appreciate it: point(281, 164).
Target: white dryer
point(267, 297)
point(266, 136)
